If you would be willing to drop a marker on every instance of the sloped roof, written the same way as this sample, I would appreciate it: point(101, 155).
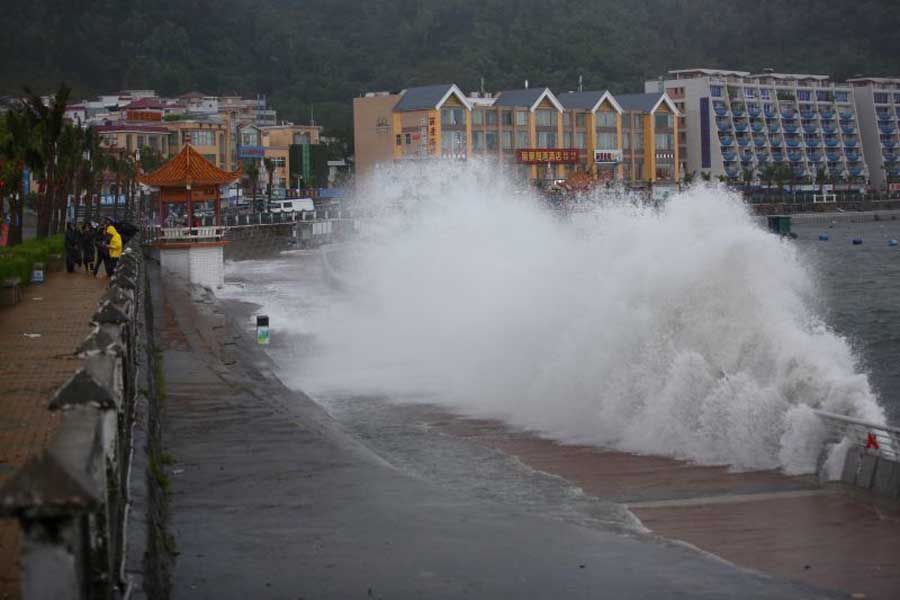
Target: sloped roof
point(153, 103)
point(188, 166)
point(528, 97)
point(428, 97)
point(587, 100)
point(645, 102)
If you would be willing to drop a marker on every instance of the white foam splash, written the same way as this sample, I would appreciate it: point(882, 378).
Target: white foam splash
point(686, 331)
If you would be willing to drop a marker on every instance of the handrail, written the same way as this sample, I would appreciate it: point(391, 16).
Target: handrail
point(881, 439)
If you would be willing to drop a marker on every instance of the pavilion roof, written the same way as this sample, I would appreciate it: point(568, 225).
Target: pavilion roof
point(188, 166)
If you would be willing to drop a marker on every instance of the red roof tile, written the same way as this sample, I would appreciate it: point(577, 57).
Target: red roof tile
point(188, 167)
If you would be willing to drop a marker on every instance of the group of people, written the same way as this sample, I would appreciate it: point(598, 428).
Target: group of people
point(91, 245)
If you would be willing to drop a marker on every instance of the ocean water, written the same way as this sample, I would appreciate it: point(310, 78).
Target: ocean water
point(686, 331)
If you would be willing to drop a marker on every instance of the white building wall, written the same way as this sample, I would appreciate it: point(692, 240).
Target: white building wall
point(207, 266)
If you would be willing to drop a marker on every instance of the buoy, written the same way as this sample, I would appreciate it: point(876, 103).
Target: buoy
point(857, 241)
point(823, 237)
point(892, 243)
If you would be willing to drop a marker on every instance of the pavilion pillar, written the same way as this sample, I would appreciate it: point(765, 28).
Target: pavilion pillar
point(190, 207)
point(218, 202)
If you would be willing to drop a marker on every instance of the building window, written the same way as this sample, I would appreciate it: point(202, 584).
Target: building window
point(154, 142)
point(803, 95)
point(545, 118)
point(567, 139)
point(408, 139)
point(606, 120)
point(664, 121)
point(278, 161)
point(453, 116)
point(249, 138)
point(881, 98)
point(664, 141)
point(141, 142)
point(490, 117)
point(301, 139)
point(637, 121)
point(506, 118)
point(606, 141)
point(507, 138)
point(546, 139)
point(580, 140)
point(764, 94)
point(581, 119)
point(521, 118)
point(749, 92)
point(210, 157)
point(522, 139)
point(490, 140)
point(842, 96)
point(478, 140)
point(453, 143)
point(638, 140)
point(715, 91)
point(477, 117)
point(626, 141)
point(202, 137)
point(399, 140)
point(567, 121)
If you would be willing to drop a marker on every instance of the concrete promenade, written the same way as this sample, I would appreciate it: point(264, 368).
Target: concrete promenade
point(789, 527)
point(271, 499)
point(55, 315)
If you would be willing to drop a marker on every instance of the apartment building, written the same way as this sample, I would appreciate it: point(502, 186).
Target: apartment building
point(737, 123)
point(530, 132)
point(877, 101)
point(650, 154)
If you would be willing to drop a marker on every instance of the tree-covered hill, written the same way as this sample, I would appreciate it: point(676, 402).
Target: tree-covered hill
point(321, 53)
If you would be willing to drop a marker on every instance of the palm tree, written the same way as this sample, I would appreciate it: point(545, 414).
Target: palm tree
point(17, 150)
point(251, 169)
point(270, 169)
point(47, 124)
point(92, 168)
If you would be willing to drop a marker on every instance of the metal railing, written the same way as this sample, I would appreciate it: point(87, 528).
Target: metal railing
point(883, 440)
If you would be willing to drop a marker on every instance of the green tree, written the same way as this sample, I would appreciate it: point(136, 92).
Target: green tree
point(270, 170)
point(46, 124)
point(251, 170)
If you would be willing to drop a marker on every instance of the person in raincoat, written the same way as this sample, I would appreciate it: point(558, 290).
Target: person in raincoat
point(73, 247)
point(88, 246)
point(114, 247)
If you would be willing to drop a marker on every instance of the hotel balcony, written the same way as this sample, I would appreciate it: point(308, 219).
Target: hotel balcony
point(773, 128)
point(795, 156)
point(849, 130)
point(815, 157)
point(833, 156)
point(771, 114)
point(759, 142)
point(724, 125)
point(888, 143)
point(788, 113)
point(827, 115)
point(740, 127)
point(793, 143)
point(829, 129)
point(853, 156)
point(856, 171)
point(832, 142)
point(807, 114)
point(776, 142)
point(743, 142)
point(810, 128)
point(737, 111)
point(890, 159)
point(726, 140)
point(762, 153)
point(790, 128)
point(851, 143)
point(777, 156)
point(720, 109)
point(729, 156)
point(757, 126)
point(846, 115)
point(886, 127)
point(732, 172)
point(813, 142)
point(886, 117)
point(753, 111)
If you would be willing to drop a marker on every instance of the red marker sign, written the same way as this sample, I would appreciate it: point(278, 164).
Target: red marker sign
point(871, 441)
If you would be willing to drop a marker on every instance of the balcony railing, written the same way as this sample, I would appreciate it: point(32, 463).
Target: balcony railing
point(810, 128)
point(833, 156)
point(856, 171)
point(729, 156)
point(851, 143)
point(832, 142)
point(726, 140)
point(846, 115)
point(813, 142)
point(778, 157)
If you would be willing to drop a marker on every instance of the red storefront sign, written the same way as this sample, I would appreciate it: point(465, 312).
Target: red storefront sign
point(536, 156)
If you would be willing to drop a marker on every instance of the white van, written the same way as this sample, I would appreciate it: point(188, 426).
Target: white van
point(296, 205)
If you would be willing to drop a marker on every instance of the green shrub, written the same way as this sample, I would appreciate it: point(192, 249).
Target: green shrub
point(18, 261)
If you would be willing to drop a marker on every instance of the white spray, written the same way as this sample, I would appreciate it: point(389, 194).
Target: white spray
point(685, 331)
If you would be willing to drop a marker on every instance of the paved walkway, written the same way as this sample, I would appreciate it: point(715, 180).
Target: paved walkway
point(271, 499)
point(31, 368)
point(790, 527)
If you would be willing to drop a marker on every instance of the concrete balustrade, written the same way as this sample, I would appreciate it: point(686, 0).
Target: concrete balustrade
point(71, 499)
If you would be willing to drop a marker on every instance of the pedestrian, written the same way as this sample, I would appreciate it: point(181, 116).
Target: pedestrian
point(88, 247)
point(115, 247)
point(72, 247)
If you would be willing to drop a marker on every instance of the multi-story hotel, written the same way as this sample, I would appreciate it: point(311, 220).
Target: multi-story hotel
point(878, 107)
point(737, 123)
point(530, 132)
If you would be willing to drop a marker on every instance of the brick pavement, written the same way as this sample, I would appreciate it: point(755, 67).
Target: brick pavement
point(31, 368)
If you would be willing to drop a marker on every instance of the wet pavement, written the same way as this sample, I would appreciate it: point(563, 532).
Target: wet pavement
point(271, 498)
